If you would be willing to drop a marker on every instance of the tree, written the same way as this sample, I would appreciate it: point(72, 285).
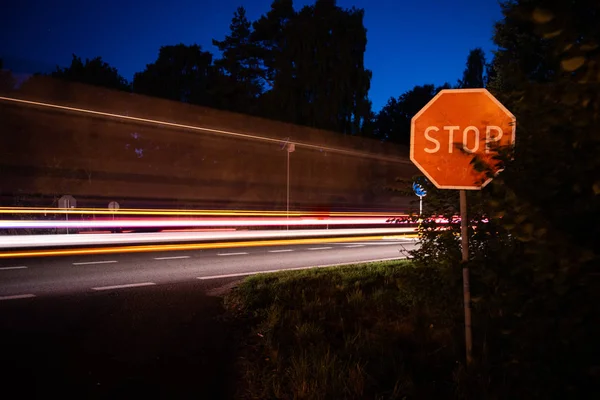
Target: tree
point(313, 62)
point(536, 301)
point(180, 73)
point(92, 72)
point(474, 74)
point(271, 38)
point(392, 123)
point(7, 81)
point(332, 81)
point(239, 65)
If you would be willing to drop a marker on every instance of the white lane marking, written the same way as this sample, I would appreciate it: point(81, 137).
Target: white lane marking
point(231, 254)
point(203, 278)
point(280, 251)
point(129, 285)
point(171, 258)
point(17, 296)
point(7, 268)
point(319, 248)
point(356, 245)
point(95, 262)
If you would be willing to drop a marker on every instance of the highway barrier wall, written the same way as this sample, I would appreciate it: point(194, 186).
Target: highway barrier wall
point(101, 145)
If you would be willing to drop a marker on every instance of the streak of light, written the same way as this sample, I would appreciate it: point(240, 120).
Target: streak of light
point(208, 130)
point(139, 211)
point(178, 247)
point(170, 230)
point(162, 223)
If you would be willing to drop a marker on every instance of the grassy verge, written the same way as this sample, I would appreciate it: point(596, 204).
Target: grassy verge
point(375, 331)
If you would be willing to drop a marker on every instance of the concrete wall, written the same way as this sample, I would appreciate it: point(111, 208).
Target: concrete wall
point(55, 151)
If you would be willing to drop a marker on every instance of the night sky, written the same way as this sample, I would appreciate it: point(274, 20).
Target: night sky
point(409, 42)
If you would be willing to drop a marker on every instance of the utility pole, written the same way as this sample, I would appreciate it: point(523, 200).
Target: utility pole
point(290, 147)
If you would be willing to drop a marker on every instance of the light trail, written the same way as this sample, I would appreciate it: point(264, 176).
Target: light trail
point(207, 130)
point(12, 242)
point(140, 211)
point(180, 247)
point(179, 223)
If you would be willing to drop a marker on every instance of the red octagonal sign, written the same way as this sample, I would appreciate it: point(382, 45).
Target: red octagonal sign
point(451, 129)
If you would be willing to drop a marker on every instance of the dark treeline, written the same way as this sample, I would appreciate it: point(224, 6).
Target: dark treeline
point(304, 67)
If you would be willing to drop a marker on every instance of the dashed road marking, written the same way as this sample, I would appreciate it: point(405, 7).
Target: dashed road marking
point(356, 245)
point(280, 251)
point(319, 248)
point(17, 296)
point(129, 285)
point(231, 254)
point(7, 268)
point(95, 262)
point(171, 258)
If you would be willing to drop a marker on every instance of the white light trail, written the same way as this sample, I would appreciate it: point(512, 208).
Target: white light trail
point(62, 240)
point(178, 223)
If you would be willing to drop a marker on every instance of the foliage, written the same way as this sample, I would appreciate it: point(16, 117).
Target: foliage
point(392, 123)
point(474, 74)
point(239, 65)
point(92, 72)
point(313, 64)
point(373, 331)
point(535, 296)
point(182, 73)
point(7, 81)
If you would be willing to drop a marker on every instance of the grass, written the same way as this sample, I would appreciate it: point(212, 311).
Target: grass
point(382, 330)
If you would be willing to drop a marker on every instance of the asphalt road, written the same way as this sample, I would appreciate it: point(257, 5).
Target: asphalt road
point(166, 342)
point(139, 325)
point(24, 278)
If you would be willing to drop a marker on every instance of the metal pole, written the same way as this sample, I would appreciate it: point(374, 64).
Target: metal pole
point(288, 189)
point(466, 287)
point(420, 205)
point(67, 214)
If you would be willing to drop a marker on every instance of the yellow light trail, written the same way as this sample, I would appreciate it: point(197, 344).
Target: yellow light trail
point(208, 130)
point(188, 246)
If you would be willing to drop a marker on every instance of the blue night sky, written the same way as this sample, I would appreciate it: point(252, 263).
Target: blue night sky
point(409, 42)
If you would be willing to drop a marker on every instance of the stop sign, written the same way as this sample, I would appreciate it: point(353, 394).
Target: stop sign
point(455, 126)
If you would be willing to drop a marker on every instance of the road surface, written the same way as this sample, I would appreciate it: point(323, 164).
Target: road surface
point(22, 278)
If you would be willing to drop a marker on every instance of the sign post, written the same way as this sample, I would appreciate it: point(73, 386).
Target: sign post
point(455, 126)
point(289, 148)
point(421, 192)
point(67, 202)
point(113, 205)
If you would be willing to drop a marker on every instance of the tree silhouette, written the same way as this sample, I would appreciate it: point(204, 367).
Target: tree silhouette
point(239, 65)
point(474, 74)
point(392, 123)
point(313, 63)
point(182, 73)
point(92, 72)
point(7, 81)
point(534, 282)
